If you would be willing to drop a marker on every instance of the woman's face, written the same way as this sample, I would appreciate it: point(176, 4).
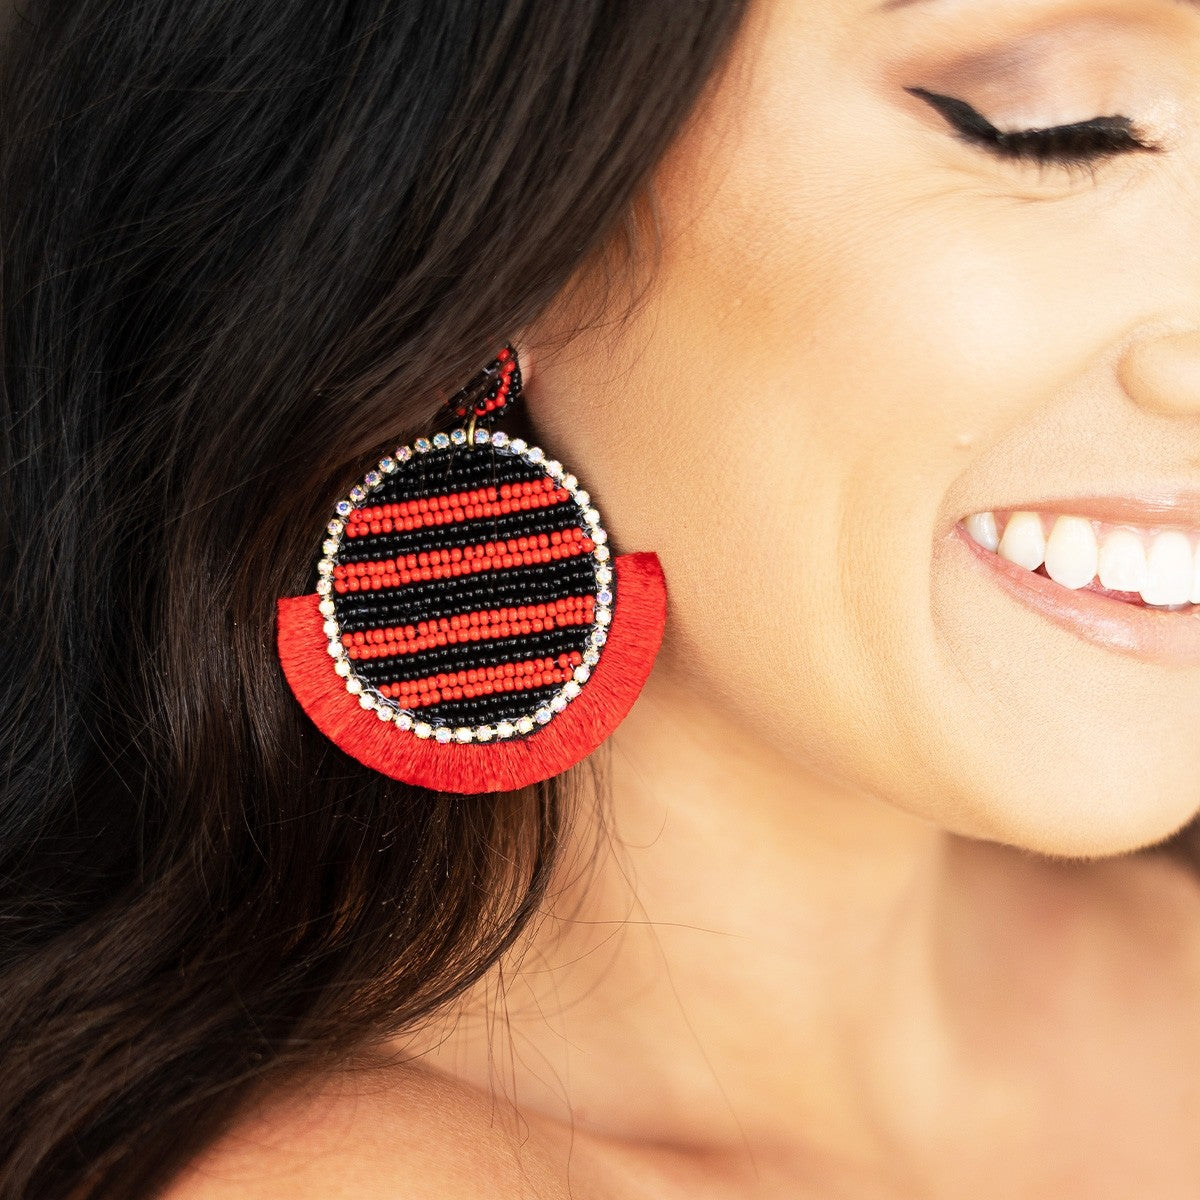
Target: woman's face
point(865, 329)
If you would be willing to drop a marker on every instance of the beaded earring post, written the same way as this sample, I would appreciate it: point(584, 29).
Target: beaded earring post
point(470, 629)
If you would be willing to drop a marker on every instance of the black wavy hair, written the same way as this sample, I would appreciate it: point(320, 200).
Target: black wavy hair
point(245, 248)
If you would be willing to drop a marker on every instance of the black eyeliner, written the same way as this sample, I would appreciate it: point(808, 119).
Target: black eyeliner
point(959, 113)
point(1111, 134)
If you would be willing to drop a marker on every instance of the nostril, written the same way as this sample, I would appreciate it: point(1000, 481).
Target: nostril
point(1161, 372)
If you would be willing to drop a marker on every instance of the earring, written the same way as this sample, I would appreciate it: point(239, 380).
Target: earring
point(470, 629)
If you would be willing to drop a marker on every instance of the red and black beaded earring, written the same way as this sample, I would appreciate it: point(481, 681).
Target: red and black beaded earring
point(470, 629)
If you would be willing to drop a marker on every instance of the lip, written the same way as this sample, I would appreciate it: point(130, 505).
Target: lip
point(1152, 635)
point(1174, 508)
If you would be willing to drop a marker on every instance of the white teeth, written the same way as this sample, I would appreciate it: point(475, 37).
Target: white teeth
point(982, 528)
point(1071, 552)
point(1160, 565)
point(1123, 562)
point(1170, 569)
point(1023, 542)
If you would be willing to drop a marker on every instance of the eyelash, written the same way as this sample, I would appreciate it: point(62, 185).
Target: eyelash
point(1078, 146)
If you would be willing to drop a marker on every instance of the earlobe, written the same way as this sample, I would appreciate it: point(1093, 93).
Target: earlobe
point(527, 358)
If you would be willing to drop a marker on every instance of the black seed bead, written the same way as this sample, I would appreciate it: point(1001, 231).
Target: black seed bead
point(463, 656)
point(376, 547)
point(487, 710)
point(412, 603)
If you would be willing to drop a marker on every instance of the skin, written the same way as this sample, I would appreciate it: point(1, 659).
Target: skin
point(869, 919)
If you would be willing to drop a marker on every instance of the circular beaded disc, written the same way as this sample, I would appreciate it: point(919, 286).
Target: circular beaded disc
point(466, 588)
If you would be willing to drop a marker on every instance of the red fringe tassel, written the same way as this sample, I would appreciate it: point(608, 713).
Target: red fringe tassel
point(634, 636)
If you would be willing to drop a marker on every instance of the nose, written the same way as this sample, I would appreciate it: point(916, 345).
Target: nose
point(1161, 372)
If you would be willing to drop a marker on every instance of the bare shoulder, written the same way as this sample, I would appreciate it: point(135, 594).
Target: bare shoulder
point(410, 1132)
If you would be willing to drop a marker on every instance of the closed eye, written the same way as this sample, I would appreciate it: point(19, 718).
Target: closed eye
point(1080, 144)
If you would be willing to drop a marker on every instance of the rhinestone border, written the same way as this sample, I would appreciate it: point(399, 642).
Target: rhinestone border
point(405, 719)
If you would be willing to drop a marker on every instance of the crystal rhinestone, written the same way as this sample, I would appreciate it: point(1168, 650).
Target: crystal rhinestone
point(441, 440)
point(404, 720)
point(331, 629)
point(499, 438)
point(372, 479)
point(569, 482)
point(592, 516)
point(604, 596)
point(505, 729)
point(481, 436)
point(581, 497)
point(387, 465)
point(518, 444)
point(327, 608)
point(324, 586)
point(604, 575)
point(335, 649)
point(571, 689)
point(591, 656)
point(342, 667)
point(599, 635)
point(422, 729)
point(336, 526)
point(601, 552)
point(343, 508)
point(599, 536)
point(458, 436)
point(542, 715)
point(422, 444)
point(558, 703)
point(354, 686)
point(535, 454)
point(485, 733)
point(463, 734)
point(403, 453)
point(554, 467)
point(358, 493)
point(443, 734)
point(367, 700)
point(325, 566)
point(582, 673)
point(329, 546)
point(385, 712)
point(603, 616)
point(524, 724)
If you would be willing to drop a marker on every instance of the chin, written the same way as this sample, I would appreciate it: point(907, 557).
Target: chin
point(1097, 798)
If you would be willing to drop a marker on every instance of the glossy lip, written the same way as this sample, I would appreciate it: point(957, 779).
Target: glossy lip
point(1174, 509)
point(1149, 634)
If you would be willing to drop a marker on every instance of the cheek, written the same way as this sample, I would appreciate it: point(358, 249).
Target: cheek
point(856, 344)
point(850, 338)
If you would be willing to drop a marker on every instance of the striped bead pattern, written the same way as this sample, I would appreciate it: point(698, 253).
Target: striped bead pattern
point(466, 587)
point(490, 391)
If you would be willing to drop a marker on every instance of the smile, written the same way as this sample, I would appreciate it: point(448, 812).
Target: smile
point(1145, 565)
point(1126, 587)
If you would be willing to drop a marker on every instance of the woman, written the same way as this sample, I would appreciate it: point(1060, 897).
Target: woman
point(879, 323)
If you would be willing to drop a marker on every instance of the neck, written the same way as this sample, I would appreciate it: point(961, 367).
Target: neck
point(746, 960)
